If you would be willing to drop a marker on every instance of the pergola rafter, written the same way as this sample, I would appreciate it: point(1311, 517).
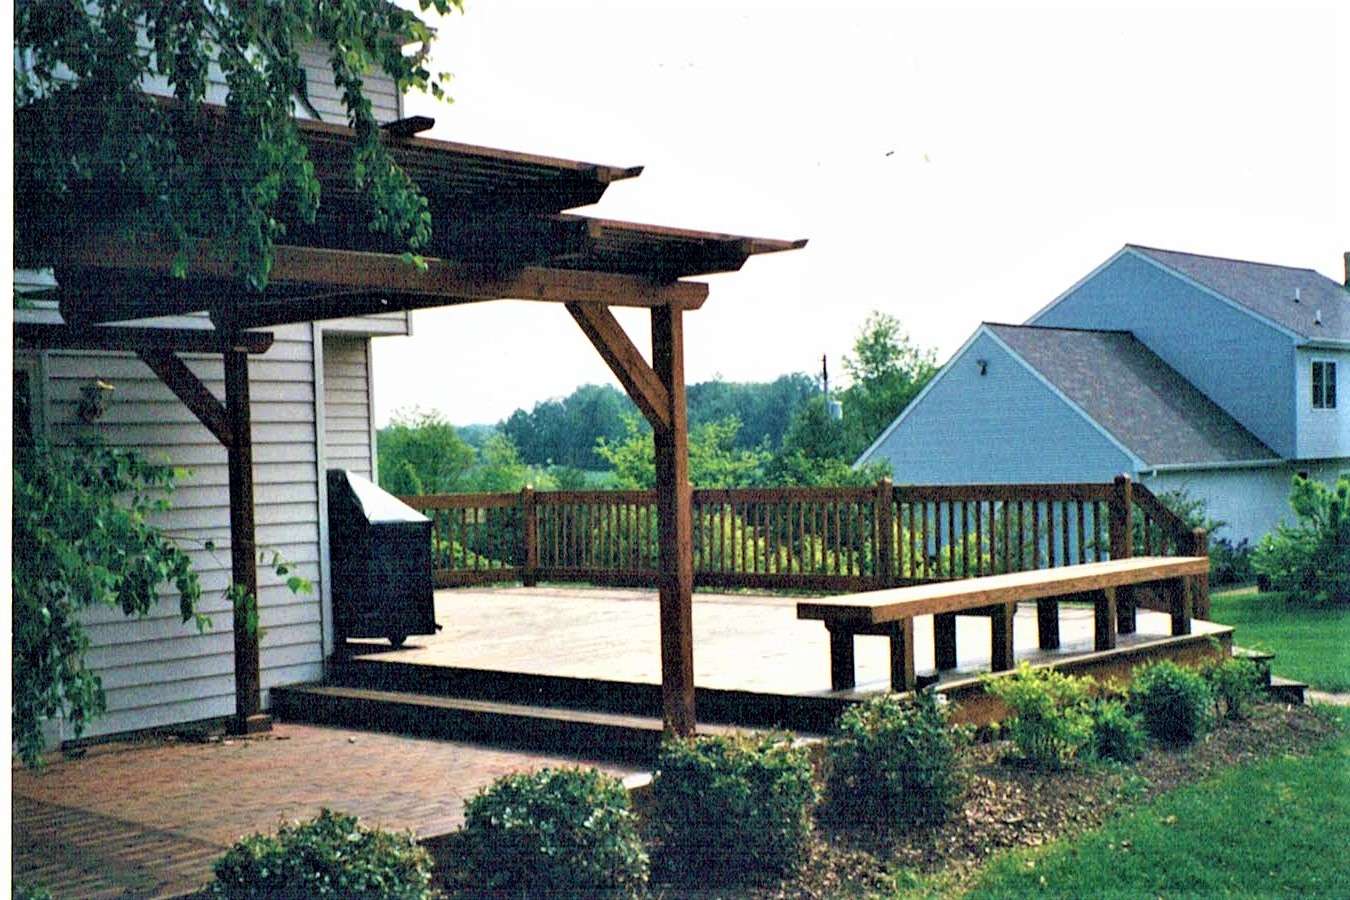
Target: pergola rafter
point(501, 233)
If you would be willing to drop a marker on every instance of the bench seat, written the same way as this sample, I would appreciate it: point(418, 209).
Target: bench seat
point(891, 612)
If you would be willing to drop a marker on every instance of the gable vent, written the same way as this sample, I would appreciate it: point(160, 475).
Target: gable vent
point(1297, 294)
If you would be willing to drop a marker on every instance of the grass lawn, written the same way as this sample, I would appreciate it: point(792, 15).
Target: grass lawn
point(1276, 828)
point(1309, 644)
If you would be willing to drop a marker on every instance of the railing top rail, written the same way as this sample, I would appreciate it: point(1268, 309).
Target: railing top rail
point(595, 497)
point(1086, 493)
point(460, 501)
point(784, 495)
point(1158, 511)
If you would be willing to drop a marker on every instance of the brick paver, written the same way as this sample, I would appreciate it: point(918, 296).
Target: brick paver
point(147, 819)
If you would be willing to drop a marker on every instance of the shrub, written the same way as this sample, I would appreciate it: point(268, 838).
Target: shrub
point(1236, 683)
point(1051, 722)
point(733, 805)
point(331, 855)
point(1117, 734)
point(1230, 563)
point(894, 761)
point(1311, 560)
point(1174, 702)
point(552, 832)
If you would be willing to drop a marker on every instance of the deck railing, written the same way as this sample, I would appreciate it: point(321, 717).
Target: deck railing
point(818, 539)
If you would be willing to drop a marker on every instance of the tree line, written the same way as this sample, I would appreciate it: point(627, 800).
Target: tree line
point(781, 432)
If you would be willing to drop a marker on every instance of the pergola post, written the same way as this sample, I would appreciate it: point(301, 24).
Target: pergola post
point(248, 716)
point(674, 511)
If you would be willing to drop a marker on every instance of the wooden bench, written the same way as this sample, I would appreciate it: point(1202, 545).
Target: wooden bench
point(1107, 585)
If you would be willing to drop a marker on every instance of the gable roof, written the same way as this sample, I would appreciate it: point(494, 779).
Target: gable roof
point(1267, 290)
point(1137, 398)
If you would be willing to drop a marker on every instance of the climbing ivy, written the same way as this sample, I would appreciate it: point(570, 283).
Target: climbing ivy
point(91, 142)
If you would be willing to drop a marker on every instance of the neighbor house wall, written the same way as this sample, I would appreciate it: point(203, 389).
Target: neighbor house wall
point(1250, 501)
point(1323, 433)
point(1239, 361)
point(1007, 425)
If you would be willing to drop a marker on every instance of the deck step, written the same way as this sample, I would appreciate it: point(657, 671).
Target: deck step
point(594, 735)
point(1286, 690)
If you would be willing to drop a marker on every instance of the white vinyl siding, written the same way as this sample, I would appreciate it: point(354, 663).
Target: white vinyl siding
point(159, 671)
point(346, 404)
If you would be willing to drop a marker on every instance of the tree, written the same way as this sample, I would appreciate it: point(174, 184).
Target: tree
point(887, 370)
point(714, 460)
point(421, 453)
point(564, 431)
point(84, 538)
point(157, 167)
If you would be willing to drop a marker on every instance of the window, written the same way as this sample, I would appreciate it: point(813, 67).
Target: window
point(1323, 385)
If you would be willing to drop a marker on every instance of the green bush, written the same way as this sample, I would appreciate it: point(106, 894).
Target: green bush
point(894, 761)
point(331, 855)
point(1230, 563)
point(1051, 721)
point(733, 806)
point(1236, 683)
point(1312, 559)
point(554, 832)
point(29, 892)
point(1117, 734)
point(1174, 703)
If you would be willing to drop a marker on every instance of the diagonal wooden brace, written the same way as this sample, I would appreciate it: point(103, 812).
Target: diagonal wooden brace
point(618, 351)
point(188, 387)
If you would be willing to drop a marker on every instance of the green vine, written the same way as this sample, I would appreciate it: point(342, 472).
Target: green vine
point(142, 166)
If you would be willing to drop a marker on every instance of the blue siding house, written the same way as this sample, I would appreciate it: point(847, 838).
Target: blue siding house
point(1220, 377)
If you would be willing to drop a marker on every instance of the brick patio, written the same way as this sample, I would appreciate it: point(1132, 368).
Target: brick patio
point(146, 819)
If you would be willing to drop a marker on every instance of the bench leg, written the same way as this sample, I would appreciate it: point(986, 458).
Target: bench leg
point(841, 659)
point(1001, 634)
point(1125, 609)
point(902, 655)
point(944, 641)
point(1047, 624)
point(1104, 619)
point(1178, 592)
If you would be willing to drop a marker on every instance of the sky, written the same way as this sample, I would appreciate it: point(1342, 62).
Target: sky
point(950, 163)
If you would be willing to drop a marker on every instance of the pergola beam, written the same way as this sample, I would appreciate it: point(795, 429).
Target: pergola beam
point(108, 280)
point(53, 336)
point(625, 361)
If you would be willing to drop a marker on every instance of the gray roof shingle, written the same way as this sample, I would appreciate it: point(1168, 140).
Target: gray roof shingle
point(1140, 400)
point(1268, 291)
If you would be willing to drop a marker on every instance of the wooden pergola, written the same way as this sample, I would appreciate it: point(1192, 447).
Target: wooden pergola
point(501, 232)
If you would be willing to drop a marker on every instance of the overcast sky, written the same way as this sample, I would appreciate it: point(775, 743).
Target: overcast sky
point(950, 162)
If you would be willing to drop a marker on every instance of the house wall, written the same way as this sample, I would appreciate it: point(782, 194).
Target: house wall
point(1242, 363)
point(1251, 501)
point(157, 670)
point(348, 420)
point(1005, 426)
point(1323, 433)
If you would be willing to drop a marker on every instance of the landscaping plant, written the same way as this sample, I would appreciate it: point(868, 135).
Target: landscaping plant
point(733, 806)
point(554, 832)
point(894, 761)
point(331, 855)
point(1117, 733)
point(1051, 715)
point(1311, 560)
point(1236, 683)
point(1175, 703)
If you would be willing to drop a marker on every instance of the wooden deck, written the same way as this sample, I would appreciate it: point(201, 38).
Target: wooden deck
point(742, 642)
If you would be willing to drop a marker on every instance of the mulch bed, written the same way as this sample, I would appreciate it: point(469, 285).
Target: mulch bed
point(1010, 806)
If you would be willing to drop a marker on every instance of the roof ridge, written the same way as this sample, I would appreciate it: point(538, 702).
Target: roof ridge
point(1062, 328)
point(1231, 259)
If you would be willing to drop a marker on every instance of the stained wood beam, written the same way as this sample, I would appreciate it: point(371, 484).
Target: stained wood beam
point(109, 280)
point(625, 360)
point(675, 529)
point(50, 336)
point(188, 387)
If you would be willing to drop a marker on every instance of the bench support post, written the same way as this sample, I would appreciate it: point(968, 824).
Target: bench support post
point(1001, 637)
point(1179, 600)
point(902, 655)
point(1047, 623)
point(944, 641)
point(841, 658)
point(1104, 621)
point(1126, 607)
